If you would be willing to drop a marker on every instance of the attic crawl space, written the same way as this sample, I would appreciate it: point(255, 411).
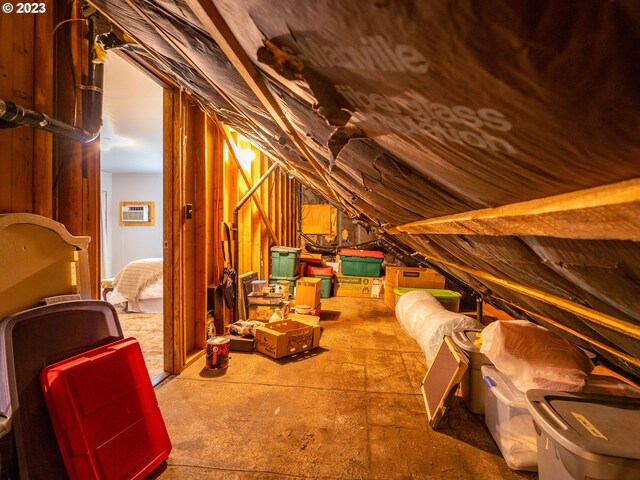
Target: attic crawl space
point(496, 142)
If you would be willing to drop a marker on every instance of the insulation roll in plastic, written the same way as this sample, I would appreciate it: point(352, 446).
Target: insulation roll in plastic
point(427, 321)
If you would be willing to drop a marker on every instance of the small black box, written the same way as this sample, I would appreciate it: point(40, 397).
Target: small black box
point(240, 344)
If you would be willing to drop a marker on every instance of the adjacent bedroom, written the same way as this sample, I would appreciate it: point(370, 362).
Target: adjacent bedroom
point(131, 186)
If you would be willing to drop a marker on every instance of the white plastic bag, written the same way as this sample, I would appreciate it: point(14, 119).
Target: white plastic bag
point(534, 357)
point(427, 321)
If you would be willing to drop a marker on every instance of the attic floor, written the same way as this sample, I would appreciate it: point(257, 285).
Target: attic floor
point(351, 409)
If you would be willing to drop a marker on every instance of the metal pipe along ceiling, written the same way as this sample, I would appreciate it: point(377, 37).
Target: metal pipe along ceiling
point(14, 115)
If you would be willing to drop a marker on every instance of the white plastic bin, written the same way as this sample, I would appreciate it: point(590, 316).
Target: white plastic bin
point(509, 421)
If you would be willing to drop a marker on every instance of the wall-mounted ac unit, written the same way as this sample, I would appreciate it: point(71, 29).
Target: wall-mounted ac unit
point(134, 213)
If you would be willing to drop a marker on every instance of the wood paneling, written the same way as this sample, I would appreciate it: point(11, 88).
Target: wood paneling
point(17, 84)
point(198, 155)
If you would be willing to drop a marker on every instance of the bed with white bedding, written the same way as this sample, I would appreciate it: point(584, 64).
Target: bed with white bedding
point(139, 286)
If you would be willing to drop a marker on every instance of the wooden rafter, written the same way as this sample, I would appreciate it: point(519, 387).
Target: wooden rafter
point(609, 212)
point(594, 316)
point(217, 27)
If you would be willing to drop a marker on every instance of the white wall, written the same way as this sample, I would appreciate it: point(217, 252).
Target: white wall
point(106, 188)
point(133, 243)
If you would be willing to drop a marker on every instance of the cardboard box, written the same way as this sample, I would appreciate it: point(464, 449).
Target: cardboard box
point(308, 290)
point(264, 313)
point(409, 277)
point(279, 339)
point(363, 287)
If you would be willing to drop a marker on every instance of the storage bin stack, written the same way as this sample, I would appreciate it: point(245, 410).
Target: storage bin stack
point(262, 305)
point(360, 273)
point(323, 273)
point(285, 266)
point(409, 277)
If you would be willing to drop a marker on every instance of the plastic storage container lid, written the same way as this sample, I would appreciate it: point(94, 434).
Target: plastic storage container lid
point(352, 252)
point(436, 292)
point(503, 388)
point(318, 271)
point(465, 338)
point(588, 424)
point(286, 249)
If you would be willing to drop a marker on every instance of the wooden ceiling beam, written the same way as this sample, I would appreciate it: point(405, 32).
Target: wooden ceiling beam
point(609, 212)
point(599, 318)
point(217, 27)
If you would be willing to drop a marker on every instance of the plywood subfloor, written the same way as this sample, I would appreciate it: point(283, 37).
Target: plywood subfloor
point(349, 410)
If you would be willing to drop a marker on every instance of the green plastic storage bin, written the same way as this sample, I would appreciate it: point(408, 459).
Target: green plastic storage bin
point(361, 263)
point(448, 298)
point(325, 287)
point(285, 261)
point(292, 283)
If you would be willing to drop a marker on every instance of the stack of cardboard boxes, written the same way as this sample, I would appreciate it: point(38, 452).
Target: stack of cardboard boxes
point(262, 305)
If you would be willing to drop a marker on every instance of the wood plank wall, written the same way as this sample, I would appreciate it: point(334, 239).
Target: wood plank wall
point(26, 78)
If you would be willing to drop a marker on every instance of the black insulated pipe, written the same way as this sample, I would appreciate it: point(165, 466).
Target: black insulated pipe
point(17, 115)
point(380, 245)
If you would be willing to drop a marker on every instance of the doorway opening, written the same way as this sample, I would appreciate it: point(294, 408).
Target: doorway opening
point(131, 206)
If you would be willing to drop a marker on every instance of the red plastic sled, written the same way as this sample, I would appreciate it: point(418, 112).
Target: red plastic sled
point(105, 413)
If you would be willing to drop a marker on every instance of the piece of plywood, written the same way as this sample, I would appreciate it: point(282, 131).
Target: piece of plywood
point(318, 219)
point(442, 379)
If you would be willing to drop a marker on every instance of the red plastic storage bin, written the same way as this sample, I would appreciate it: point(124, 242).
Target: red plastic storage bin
point(105, 413)
point(319, 271)
point(352, 252)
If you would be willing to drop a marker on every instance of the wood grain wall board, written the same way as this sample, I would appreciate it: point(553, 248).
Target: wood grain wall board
point(171, 287)
point(202, 186)
point(188, 160)
point(17, 85)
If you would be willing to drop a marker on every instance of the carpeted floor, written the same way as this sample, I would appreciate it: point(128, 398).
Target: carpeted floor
point(147, 329)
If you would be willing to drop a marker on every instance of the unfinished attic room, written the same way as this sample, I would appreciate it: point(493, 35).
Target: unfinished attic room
point(355, 239)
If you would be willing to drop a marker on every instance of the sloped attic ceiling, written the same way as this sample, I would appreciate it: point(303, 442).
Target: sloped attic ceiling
point(413, 111)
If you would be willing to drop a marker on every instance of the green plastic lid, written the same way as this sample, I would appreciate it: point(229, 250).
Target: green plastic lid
point(286, 250)
point(436, 292)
